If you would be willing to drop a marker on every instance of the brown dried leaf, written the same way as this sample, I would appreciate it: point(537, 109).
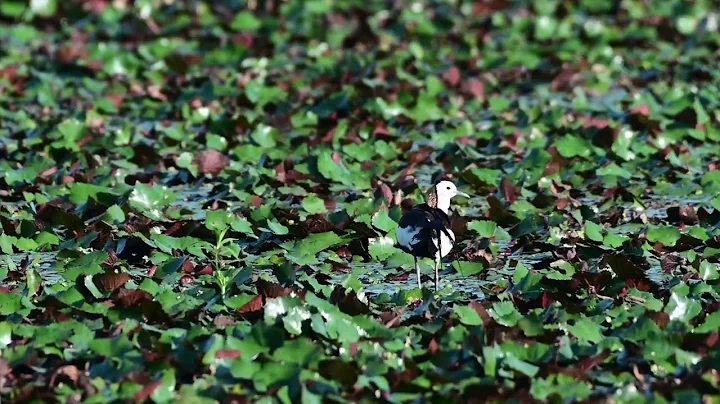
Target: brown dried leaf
point(643, 110)
point(488, 7)
point(481, 311)
point(712, 339)
point(509, 190)
point(223, 321)
point(452, 76)
point(256, 304)
point(68, 372)
point(419, 157)
point(133, 297)
point(670, 262)
point(349, 303)
point(476, 88)
point(384, 191)
point(147, 391)
point(433, 347)
point(589, 122)
point(211, 162)
point(280, 172)
point(5, 368)
point(380, 129)
point(245, 39)
point(155, 92)
point(227, 354)
point(207, 270)
point(110, 281)
point(660, 318)
point(70, 53)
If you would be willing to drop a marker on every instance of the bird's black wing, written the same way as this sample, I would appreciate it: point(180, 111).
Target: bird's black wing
point(439, 222)
point(430, 222)
point(424, 213)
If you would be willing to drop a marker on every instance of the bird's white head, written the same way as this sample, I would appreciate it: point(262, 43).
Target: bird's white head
point(442, 193)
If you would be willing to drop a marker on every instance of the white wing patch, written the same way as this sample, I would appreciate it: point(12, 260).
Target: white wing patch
point(446, 243)
point(406, 236)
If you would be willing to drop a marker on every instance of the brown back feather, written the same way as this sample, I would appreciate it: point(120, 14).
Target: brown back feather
point(431, 197)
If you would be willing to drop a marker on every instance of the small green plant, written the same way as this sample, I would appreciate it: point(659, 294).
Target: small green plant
point(225, 251)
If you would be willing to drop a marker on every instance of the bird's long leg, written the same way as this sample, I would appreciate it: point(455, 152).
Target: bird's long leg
point(438, 262)
point(417, 271)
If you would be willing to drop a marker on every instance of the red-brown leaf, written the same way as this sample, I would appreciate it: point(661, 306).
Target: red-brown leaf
point(116, 100)
point(381, 129)
point(227, 354)
point(280, 173)
point(133, 297)
point(594, 122)
point(452, 76)
point(69, 54)
point(207, 270)
point(245, 39)
point(111, 281)
point(481, 311)
point(256, 304)
point(5, 368)
point(433, 346)
point(419, 157)
point(547, 300)
point(510, 191)
point(476, 88)
point(588, 363)
point(384, 190)
point(65, 373)
point(271, 289)
point(188, 266)
point(643, 110)
point(223, 321)
point(211, 162)
point(487, 7)
point(712, 339)
point(9, 73)
point(147, 391)
point(670, 262)
point(660, 318)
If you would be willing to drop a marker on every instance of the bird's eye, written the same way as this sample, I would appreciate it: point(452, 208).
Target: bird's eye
point(448, 188)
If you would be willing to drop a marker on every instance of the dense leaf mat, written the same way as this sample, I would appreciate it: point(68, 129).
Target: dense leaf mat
point(199, 200)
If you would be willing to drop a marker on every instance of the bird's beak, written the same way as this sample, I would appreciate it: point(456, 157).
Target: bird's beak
point(460, 193)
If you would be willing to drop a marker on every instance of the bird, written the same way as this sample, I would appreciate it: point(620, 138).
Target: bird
point(420, 228)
